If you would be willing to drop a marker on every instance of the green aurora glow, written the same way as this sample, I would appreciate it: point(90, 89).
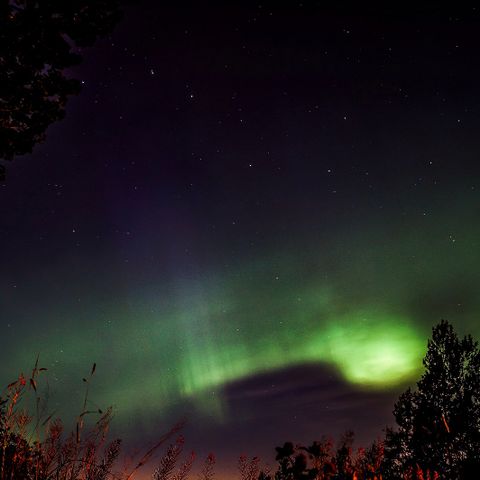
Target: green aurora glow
point(361, 315)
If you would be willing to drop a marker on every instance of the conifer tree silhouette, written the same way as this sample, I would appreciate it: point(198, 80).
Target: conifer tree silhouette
point(439, 422)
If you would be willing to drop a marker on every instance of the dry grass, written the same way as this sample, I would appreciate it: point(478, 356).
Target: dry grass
point(36, 447)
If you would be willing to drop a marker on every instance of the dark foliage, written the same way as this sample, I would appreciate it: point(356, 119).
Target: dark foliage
point(320, 461)
point(439, 422)
point(39, 39)
point(343, 457)
point(292, 464)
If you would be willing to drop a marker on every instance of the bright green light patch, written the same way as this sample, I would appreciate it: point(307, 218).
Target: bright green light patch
point(374, 350)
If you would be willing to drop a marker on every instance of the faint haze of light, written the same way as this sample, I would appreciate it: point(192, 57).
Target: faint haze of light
point(363, 311)
point(213, 335)
point(362, 308)
point(186, 342)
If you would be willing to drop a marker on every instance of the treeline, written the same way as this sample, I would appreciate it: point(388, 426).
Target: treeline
point(437, 435)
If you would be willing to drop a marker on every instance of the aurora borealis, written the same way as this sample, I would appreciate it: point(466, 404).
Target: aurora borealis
point(251, 216)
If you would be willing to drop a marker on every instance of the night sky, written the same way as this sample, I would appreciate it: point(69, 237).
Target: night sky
point(251, 217)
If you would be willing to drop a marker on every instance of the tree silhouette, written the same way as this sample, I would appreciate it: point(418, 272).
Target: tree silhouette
point(343, 457)
point(320, 453)
point(439, 422)
point(369, 461)
point(321, 462)
point(293, 465)
point(39, 39)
